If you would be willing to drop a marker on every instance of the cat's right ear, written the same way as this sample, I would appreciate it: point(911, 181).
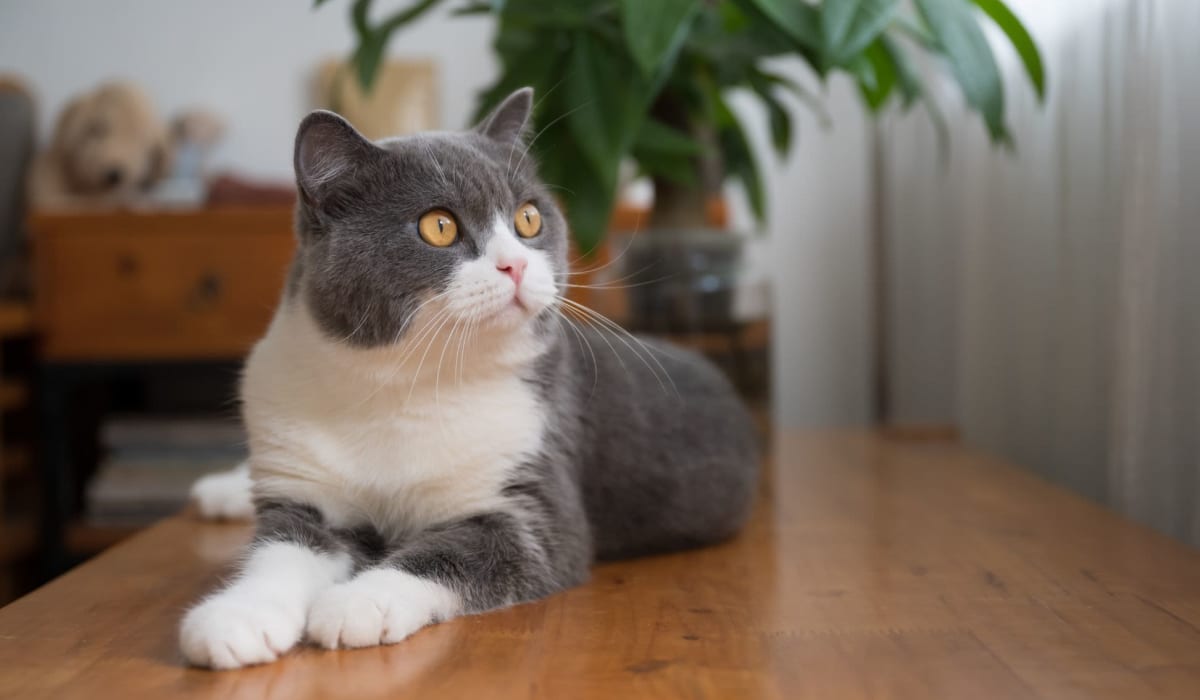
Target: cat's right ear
point(327, 148)
point(508, 121)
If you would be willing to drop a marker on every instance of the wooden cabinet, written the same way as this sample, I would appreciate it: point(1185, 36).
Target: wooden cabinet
point(158, 286)
point(118, 291)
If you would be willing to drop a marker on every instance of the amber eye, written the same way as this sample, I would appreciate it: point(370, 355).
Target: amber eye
point(438, 228)
point(528, 220)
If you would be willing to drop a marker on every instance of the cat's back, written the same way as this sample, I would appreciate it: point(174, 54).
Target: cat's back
point(673, 458)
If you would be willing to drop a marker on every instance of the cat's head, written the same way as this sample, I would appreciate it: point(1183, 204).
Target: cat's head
point(455, 226)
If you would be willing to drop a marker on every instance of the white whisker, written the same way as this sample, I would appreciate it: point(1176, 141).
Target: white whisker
point(583, 342)
point(618, 331)
point(575, 312)
point(428, 346)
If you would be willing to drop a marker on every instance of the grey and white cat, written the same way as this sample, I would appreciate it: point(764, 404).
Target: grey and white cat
point(430, 436)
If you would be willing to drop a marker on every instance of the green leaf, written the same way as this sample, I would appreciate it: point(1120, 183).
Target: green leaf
point(587, 195)
point(971, 61)
point(536, 67)
point(729, 17)
point(678, 169)
point(654, 136)
point(597, 103)
point(743, 166)
point(915, 30)
point(359, 18)
point(876, 75)
point(940, 126)
point(559, 14)
point(810, 100)
point(795, 18)
point(849, 26)
point(655, 30)
point(1016, 32)
point(607, 98)
point(907, 79)
point(368, 56)
point(589, 208)
point(735, 151)
point(738, 157)
point(781, 126)
point(663, 151)
point(532, 55)
point(736, 35)
point(318, 3)
point(482, 7)
point(777, 116)
point(405, 17)
point(373, 41)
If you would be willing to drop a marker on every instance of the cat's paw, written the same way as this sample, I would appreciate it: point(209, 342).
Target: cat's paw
point(379, 606)
point(234, 629)
point(225, 495)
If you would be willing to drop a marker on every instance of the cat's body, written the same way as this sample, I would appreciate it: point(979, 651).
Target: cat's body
point(428, 438)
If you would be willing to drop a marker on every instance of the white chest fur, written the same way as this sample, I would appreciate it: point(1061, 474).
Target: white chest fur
point(347, 432)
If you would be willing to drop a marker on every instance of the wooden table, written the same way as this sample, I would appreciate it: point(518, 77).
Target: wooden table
point(870, 569)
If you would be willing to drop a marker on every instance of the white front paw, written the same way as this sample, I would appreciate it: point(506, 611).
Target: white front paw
point(380, 606)
point(225, 495)
point(235, 629)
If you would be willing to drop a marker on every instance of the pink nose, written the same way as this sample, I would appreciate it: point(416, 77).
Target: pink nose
point(513, 268)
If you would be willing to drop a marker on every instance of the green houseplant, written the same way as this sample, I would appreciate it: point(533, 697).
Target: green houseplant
point(647, 80)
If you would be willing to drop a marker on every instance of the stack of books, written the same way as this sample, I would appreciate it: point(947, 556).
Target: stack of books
point(150, 465)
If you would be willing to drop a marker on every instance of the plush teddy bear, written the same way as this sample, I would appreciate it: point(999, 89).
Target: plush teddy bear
point(109, 148)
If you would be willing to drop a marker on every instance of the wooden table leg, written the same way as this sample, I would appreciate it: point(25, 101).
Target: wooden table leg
point(55, 471)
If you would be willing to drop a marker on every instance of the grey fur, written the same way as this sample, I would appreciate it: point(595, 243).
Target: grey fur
point(283, 521)
point(363, 266)
point(633, 462)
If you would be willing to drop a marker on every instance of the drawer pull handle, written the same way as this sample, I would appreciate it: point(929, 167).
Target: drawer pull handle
point(127, 266)
point(207, 291)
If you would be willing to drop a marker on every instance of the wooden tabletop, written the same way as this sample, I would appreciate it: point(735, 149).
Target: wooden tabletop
point(870, 569)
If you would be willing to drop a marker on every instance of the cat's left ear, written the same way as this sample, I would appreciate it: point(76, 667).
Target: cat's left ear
point(327, 148)
point(507, 122)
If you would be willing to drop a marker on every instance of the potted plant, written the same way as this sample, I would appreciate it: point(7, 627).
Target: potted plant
point(646, 81)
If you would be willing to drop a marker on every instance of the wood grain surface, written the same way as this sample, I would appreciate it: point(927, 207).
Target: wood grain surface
point(870, 569)
point(161, 285)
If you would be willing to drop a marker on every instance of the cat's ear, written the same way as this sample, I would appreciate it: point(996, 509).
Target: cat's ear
point(507, 122)
point(327, 147)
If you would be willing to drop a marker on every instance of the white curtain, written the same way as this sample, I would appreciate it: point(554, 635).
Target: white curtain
point(1047, 301)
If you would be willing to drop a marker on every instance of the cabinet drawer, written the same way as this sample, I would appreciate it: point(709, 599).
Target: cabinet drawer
point(198, 285)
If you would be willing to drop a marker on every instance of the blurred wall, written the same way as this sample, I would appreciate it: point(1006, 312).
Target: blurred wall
point(1060, 279)
point(938, 195)
point(819, 213)
point(252, 61)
